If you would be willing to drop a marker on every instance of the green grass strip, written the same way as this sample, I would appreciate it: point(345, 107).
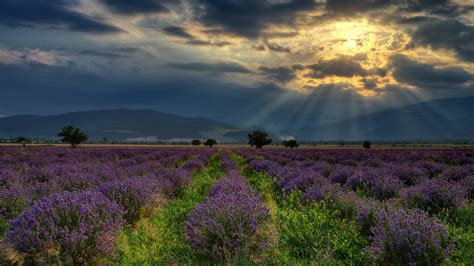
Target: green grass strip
point(307, 235)
point(160, 240)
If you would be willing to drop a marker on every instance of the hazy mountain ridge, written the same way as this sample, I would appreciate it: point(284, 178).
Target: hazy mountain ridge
point(451, 118)
point(121, 124)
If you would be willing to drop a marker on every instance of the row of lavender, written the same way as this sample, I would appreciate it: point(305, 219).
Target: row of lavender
point(396, 196)
point(69, 205)
point(227, 225)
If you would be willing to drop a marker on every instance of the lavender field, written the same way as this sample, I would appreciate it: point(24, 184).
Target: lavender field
point(161, 206)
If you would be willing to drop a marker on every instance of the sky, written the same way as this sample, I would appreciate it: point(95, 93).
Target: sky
point(252, 62)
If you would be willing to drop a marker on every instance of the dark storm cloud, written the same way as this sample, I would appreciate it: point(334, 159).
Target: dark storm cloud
point(453, 10)
point(427, 76)
point(175, 93)
point(105, 54)
point(280, 74)
point(248, 18)
point(58, 13)
point(131, 7)
point(50, 90)
point(198, 42)
point(447, 34)
point(352, 7)
point(209, 67)
point(343, 66)
point(177, 32)
point(191, 39)
point(276, 47)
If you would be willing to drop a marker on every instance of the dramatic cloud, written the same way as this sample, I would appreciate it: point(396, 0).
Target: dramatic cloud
point(36, 56)
point(427, 76)
point(342, 67)
point(208, 43)
point(191, 39)
point(177, 32)
point(249, 18)
point(128, 7)
point(280, 74)
point(215, 68)
point(276, 63)
point(362, 6)
point(351, 7)
point(58, 13)
point(447, 34)
point(266, 44)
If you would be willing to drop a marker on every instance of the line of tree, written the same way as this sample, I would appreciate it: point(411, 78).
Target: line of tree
point(292, 143)
point(23, 141)
point(210, 143)
point(72, 135)
point(259, 139)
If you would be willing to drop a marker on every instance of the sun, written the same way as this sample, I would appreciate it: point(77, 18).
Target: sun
point(351, 44)
point(364, 42)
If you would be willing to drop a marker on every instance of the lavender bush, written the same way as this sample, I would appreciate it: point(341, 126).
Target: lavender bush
point(194, 164)
point(379, 183)
point(401, 238)
point(72, 227)
point(434, 196)
point(226, 224)
point(133, 194)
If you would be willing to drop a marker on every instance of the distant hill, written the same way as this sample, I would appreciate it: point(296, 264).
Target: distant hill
point(122, 124)
point(451, 118)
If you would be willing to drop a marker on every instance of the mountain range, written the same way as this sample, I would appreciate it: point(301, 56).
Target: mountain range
point(122, 125)
point(451, 118)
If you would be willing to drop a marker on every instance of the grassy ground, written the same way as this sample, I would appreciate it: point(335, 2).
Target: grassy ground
point(305, 235)
point(160, 240)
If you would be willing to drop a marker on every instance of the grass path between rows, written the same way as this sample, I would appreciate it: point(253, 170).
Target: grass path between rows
point(266, 188)
point(160, 239)
point(305, 235)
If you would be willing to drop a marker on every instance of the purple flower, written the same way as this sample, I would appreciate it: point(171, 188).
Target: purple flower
point(434, 196)
point(401, 237)
point(194, 164)
point(133, 194)
point(77, 228)
point(379, 183)
point(226, 223)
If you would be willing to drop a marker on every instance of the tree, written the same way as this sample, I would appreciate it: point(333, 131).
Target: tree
point(23, 141)
point(196, 142)
point(342, 143)
point(73, 136)
point(366, 144)
point(292, 143)
point(259, 139)
point(210, 142)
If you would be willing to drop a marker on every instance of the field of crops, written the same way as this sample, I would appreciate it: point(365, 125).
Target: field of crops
point(161, 206)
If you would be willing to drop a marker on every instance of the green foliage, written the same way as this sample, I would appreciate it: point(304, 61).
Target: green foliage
point(196, 142)
point(292, 143)
point(367, 144)
point(461, 228)
point(73, 136)
point(160, 240)
point(463, 216)
point(314, 233)
point(463, 253)
point(22, 140)
point(259, 139)
point(210, 142)
point(308, 234)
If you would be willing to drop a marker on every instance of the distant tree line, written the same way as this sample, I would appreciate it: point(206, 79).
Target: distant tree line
point(258, 139)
